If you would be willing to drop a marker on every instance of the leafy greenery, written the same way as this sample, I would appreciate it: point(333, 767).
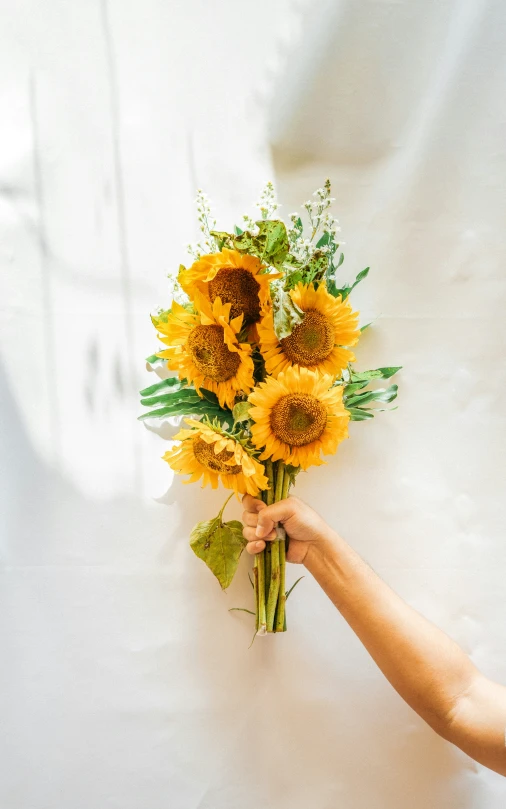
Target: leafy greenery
point(311, 271)
point(345, 291)
point(378, 373)
point(172, 382)
point(386, 395)
point(154, 360)
point(292, 472)
point(172, 397)
point(220, 545)
point(355, 397)
point(270, 243)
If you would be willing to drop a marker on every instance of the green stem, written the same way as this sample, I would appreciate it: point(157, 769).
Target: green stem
point(262, 566)
point(261, 620)
point(280, 624)
point(272, 600)
point(268, 566)
point(255, 585)
point(280, 474)
point(269, 494)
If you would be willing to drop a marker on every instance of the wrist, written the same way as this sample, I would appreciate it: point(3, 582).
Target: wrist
point(322, 551)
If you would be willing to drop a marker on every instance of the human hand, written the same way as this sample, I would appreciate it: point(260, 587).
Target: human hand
point(302, 525)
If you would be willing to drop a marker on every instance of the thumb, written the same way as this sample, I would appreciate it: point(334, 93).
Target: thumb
point(270, 515)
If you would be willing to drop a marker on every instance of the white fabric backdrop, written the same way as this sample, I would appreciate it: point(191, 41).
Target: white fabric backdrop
point(125, 683)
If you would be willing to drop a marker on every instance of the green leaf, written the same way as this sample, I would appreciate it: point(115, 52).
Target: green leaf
point(378, 373)
point(332, 288)
point(345, 291)
point(174, 383)
point(356, 414)
point(274, 237)
point(237, 230)
point(177, 398)
point(240, 412)
point(219, 544)
point(316, 266)
point(294, 278)
point(323, 240)
point(363, 413)
point(154, 360)
point(183, 408)
point(360, 277)
point(241, 609)
point(209, 396)
point(270, 243)
point(350, 389)
point(286, 313)
point(380, 395)
point(292, 472)
point(188, 396)
point(294, 585)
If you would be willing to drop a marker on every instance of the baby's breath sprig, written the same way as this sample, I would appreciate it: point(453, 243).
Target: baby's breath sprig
point(207, 223)
point(267, 205)
point(317, 209)
point(295, 231)
point(321, 237)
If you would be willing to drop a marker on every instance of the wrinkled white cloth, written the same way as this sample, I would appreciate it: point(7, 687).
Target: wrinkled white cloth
point(125, 682)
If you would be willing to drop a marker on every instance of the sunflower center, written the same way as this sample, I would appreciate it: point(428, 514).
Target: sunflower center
point(298, 419)
point(205, 455)
point(311, 341)
point(238, 287)
point(211, 355)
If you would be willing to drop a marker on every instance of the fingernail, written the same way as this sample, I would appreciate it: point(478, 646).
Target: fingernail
point(258, 546)
point(258, 531)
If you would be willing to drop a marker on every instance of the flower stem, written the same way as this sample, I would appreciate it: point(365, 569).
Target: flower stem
point(280, 624)
point(274, 586)
point(262, 564)
point(269, 494)
point(261, 620)
point(268, 566)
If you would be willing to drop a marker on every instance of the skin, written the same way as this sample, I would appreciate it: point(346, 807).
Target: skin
point(428, 669)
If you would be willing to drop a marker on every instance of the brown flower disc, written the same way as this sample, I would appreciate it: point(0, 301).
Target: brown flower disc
point(311, 341)
point(238, 287)
point(206, 456)
point(298, 419)
point(211, 355)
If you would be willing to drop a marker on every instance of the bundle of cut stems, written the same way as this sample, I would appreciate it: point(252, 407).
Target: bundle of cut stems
point(270, 565)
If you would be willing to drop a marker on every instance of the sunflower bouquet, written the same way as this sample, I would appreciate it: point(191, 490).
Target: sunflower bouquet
point(260, 336)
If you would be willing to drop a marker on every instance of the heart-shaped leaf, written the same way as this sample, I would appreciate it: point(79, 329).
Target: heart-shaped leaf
point(219, 544)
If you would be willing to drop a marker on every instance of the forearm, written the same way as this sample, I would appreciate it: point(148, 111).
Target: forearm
point(427, 668)
point(429, 671)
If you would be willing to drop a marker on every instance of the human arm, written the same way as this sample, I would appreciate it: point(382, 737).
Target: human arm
point(428, 669)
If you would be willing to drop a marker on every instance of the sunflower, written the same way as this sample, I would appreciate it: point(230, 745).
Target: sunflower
point(318, 342)
point(206, 452)
point(234, 277)
point(297, 416)
point(204, 349)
